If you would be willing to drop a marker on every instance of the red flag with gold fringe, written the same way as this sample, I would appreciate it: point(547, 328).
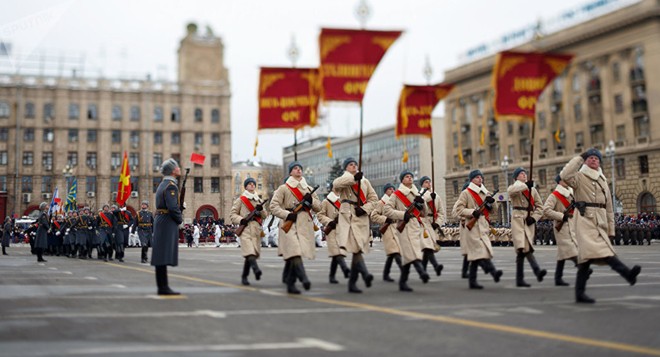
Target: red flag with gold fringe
point(124, 187)
point(415, 106)
point(288, 97)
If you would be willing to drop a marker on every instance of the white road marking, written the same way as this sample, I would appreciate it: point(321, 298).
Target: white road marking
point(82, 315)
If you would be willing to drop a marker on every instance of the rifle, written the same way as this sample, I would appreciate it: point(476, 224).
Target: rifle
point(286, 226)
point(560, 224)
point(182, 194)
point(249, 218)
point(481, 208)
point(402, 225)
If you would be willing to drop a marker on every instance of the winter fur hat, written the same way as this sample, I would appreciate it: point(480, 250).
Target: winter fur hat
point(168, 166)
point(348, 161)
point(517, 172)
point(475, 173)
point(404, 173)
point(248, 180)
point(294, 164)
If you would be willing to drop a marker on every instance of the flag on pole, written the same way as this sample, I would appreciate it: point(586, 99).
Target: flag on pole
point(197, 158)
point(288, 97)
point(124, 187)
point(71, 196)
point(55, 203)
point(416, 103)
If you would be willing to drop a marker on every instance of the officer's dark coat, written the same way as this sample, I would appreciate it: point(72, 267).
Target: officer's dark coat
point(166, 224)
point(145, 227)
point(41, 238)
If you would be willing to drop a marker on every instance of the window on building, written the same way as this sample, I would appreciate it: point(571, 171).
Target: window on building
point(199, 184)
point(155, 182)
point(158, 137)
point(116, 136)
point(579, 139)
point(541, 120)
point(616, 72)
point(74, 111)
point(73, 135)
point(642, 127)
point(480, 107)
point(92, 111)
point(524, 146)
point(575, 83)
point(215, 116)
point(494, 152)
point(5, 110)
point(620, 167)
point(72, 158)
point(28, 134)
point(135, 183)
point(30, 111)
point(509, 128)
point(215, 184)
point(90, 160)
point(453, 114)
point(215, 139)
point(158, 113)
point(47, 160)
point(115, 160)
point(215, 160)
point(237, 184)
point(512, 152)
point(49, 135)
point(543, 177)
point(158, 160)
point(3, 158)
point(639, 57)
point(597, 134)
point(114, 183)
point(496, 182)
point(176, 138)
point(134, 159)
point(135, 113)
point(135, 138)
point(644, 164)
point(46, 184)
point(116, 113)
point(577, 111)
point(621, 133)
point(199, 138)
point(176, 115)
point(90, 183)
point(455, 186)
point(454, 137)
point(49, 111)
point(3, 183)
point(176, 157)
point(26, 184)
point(543, 144)
point(91, 135)
point(199, 117)
point(28, 158)
point(618, 104)
point(4, 134)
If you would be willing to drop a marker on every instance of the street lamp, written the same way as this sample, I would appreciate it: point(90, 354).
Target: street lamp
point(363, 13)
point(610, 150)
point(293, 52)
point(505, 168)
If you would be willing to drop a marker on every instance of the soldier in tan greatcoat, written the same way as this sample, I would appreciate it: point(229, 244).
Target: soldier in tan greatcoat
point(594, 220)
point(475, 242)
point(247, 203)
point(432, 221)
point(390, 239)
point(358, 199)
point(408, 206)
point(299, 242)
point(555, 209)
point(527, 210)
point(329, 216)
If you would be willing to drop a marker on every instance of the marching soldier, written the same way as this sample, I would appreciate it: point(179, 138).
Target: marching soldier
point(249, 203)
point(71, 233)
point(358, 199)
point(462, 240)
point(432, 221)
point(145, 224)
point(594, 221)
point(556, 208)
point(85, 235)
point(475, 241)
point(299, 241)
point(124, 220)
point(106, 222)
point(41, 238)
point(166, 225)
point(390, 239)
point(408, 206)
point(329, 216)
point(527, 210)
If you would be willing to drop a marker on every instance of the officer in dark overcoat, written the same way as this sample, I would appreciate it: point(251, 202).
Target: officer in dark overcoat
point(41, 238)
point(145, 223)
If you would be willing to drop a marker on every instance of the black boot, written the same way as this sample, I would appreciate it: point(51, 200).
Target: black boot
point(403, 278)
point(145, 249)
point(108, 255)
point(290, 278)
point(420, 270)
point(342, 265)
point(285, 271)
point(40, 257)
point(333, 270)
point(540, 273)
point(386, 270)
point(161, 281)
point(472, 277)
point(464, 269)
point(352, 279)
point(4, 250)
point(299, 270)
point(430, 256)
point(362, 269)
point(489, 268)
point(74, 252)
point(246, 271)
point(559, 273)
point(255, 267)
point(629, 274)
point(520, 275)
point(581, 284)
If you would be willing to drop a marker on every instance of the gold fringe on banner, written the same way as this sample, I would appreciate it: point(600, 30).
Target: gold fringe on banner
point(256, 143)
point(405, 151)
point(328, 146)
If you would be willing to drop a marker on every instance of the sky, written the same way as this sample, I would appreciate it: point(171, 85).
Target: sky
point(127, 38)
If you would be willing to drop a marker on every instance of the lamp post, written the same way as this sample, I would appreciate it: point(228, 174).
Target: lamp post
point(610, 150)
point(363, 13)
point(505, 168)
point(67, 172)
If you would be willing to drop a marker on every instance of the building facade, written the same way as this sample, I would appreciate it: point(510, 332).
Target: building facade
point(268, 176)
point(604, 99)
point(55, 128)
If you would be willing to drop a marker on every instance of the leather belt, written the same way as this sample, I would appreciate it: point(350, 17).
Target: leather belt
point(520, 208)
point(596, 205)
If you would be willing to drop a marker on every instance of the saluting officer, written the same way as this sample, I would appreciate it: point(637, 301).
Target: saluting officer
point(390, 239)
point(594, 221)
point(145, 228)
point(329, 216)
point(246, 204)
point(166, 225)
point(527, 210)
point(432, 221)
point(555, 208)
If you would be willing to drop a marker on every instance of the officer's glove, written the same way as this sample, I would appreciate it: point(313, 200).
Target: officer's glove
point(184, 205)
point(407, 217)
point(476, 214)
point(243, 222)
point(90, 228)
point(389, 220)
point(292, 217)
point(433, 196)
point(530, 220)
point(566, 217)
point(490, 199)
point(125, 226)
point(358, 176)
point(435, 226)
point(332, 225)
point(259, 208)
point(359, 211)
point(123, 209)
point(57, 233)
point(489, 206)
point(530, 184)
point(307, 200)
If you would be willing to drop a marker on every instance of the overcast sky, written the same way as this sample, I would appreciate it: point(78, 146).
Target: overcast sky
point(133, 38)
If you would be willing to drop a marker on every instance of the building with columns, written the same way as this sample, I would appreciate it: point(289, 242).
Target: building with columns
point(54, 128)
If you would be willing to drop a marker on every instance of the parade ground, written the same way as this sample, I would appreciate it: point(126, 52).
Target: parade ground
point(89, 307)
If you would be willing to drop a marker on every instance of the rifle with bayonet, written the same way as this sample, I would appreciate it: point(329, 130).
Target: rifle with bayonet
point(182, 193)
point(566, 217)
point(286, 226)
point(249, 218)
point(402, 225)
point(470, 224)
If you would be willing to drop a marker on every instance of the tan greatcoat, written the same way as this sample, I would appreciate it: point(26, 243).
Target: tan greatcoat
point(565, 238)
point(522, 234)
point(597, 225)
point(475, 243)
point(410, 240)
point(328, 214)
point(353, 232)
point(390, 239)
point(251, 236)
point(428, 219)
point(300, 239)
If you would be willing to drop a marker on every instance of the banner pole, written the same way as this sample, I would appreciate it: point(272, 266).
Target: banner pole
point(295, 145)
point(531, 168)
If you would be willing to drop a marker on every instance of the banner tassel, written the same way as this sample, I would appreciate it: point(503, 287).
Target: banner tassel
point(328, 146)
point(256, 143)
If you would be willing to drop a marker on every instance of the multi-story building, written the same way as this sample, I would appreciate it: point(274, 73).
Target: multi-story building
point(268, 176)
point(54, 128)
point(381, 157)
point(603, 100)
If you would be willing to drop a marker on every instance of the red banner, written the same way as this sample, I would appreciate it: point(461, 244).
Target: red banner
point(519, 78)
point(348, 59)
point(124, 187)
point(288, 97)
point(198, 159)
point(416, 104)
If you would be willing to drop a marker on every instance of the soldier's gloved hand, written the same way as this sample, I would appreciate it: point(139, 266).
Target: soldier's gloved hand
point(433, 196)
point(566, 217)
point(125, 226)
point(435, 225)
point(359, 211)
point(584, 156)
point(57, 233)
point(490, 199)
point(358, 176)
point(489, 206)
point(307, 200)
point(292, 217)
point(185, 205)
point(530, 184)
point(389, 220)
point(259, 208)
point(68, 230)
point(243, 222)
point(123, 209)
point(476, 213)
point(332, 225)
point(530, 220)
point(90, 228)
point(407, 217)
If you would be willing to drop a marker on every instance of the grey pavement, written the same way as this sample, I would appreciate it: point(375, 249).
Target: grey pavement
point(78, 307)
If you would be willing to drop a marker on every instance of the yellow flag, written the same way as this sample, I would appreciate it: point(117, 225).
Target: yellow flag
point(482, 139)
point(256, 143)
point(405, 156)
point(558, 136)
point(328, 146)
